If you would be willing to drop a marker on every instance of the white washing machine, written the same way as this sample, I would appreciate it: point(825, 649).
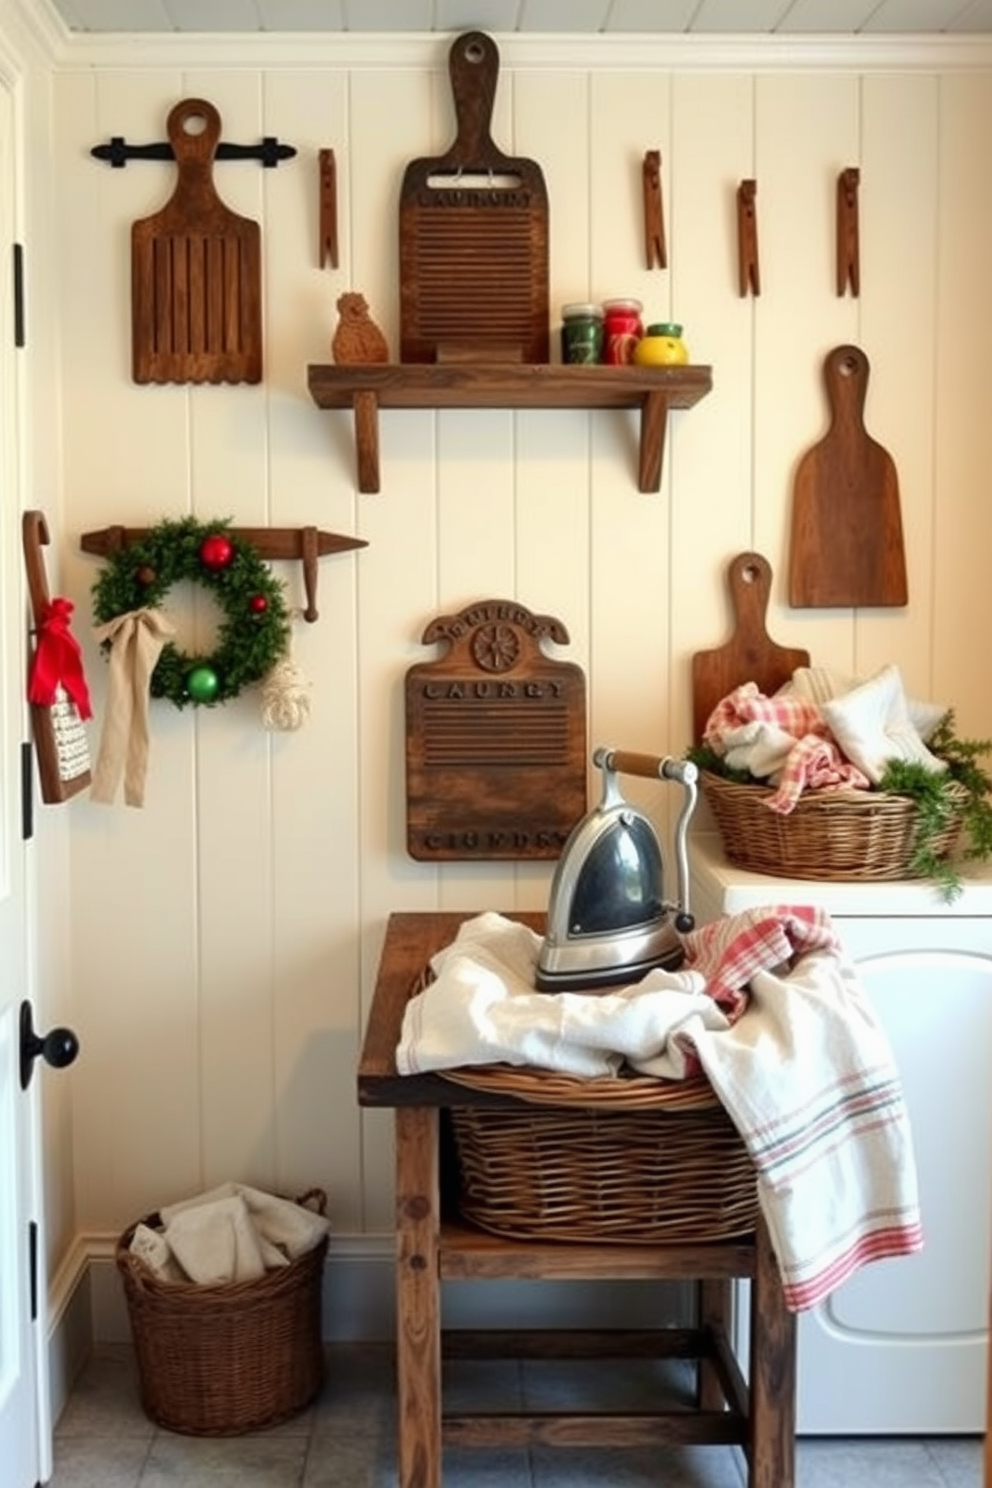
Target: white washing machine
point(901, 1347)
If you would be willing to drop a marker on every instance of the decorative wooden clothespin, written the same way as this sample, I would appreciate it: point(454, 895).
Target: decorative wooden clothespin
point(848, 271)
point(654, 219)
point(328, 210)
point(748, 273)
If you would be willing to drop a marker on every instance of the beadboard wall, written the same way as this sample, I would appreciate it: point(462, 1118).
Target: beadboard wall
point(222, 941)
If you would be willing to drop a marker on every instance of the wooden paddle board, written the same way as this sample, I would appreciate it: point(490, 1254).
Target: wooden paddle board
point(473, 235)
point(196, 278)
point(847, 542)
point(750, 655)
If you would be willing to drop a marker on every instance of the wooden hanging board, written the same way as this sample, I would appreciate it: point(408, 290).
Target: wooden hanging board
point(473, 231)
point(496, 752)
point(60, 738)
point(750, 655)
point(847, 543)
point(196, 272)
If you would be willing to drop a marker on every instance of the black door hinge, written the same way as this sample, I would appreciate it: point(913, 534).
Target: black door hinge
point(18, 295)
point(33, 1263)
point(27, 792)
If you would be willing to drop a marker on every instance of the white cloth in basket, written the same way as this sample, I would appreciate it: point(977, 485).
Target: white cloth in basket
point(230, 1233)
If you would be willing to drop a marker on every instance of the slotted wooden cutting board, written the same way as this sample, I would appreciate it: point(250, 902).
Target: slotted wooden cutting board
point(473, 235)
point(750, 655)
point(196, 277)
point(847, 543)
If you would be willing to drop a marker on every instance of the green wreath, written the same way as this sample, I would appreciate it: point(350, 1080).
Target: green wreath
point(254, 633)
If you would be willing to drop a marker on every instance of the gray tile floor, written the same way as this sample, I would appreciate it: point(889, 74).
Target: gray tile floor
point(347, 1438)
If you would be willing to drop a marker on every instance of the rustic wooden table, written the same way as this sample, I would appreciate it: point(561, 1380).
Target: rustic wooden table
point(434, 1246)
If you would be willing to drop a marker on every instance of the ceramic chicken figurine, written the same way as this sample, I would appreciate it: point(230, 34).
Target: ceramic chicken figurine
point(357, 339)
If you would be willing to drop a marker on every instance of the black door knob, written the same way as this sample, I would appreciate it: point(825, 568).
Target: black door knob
point(57, 1048)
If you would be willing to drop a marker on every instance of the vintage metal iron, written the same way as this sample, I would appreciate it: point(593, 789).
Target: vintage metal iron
point(609, 922)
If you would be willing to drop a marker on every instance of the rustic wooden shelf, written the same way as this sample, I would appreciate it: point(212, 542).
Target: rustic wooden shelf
point(366, 389)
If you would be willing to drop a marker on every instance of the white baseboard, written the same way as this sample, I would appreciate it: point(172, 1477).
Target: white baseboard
point(87, 1304)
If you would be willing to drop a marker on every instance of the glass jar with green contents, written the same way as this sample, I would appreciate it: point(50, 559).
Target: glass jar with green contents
point(581, 333)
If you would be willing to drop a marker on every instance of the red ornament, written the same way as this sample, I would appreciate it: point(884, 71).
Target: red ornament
point(258, 604)
point(216, 551)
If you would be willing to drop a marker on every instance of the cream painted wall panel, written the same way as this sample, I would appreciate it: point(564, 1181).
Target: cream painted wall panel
point(316, 1125)
point(897, 315)
point(550, 113)
point(711, 487)
point(133, 962)
point(806, 132)
point(963, 535)
point(553, 483)
point(629, 530)
point(398, 577)
point(228, 477)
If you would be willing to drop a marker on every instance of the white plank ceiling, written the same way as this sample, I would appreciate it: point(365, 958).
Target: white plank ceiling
point(781, 17)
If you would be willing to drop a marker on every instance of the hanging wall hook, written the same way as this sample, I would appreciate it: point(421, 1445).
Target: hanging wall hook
point(654, 218)
point(848, 271)
point(748, 273)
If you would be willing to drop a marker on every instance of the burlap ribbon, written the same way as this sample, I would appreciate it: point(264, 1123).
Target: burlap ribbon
point(136, 641)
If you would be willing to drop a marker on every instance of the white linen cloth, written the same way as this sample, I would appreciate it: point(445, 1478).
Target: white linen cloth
point(230, 1233)
point(774, 1014)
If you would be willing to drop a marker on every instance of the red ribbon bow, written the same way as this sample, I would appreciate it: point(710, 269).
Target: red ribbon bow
point(58, 660)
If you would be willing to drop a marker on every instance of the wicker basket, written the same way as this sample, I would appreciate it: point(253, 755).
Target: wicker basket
point(829, 835)
point(221, 1360)
point(629, 1161)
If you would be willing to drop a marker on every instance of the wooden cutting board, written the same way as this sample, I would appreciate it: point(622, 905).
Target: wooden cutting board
point(847, 543)
point(473, 235)
point(196, 277)
point(750, 655)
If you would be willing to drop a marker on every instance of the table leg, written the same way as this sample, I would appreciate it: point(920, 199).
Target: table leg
point(714, 1303)
point(418, 1305)
point(772, 1374)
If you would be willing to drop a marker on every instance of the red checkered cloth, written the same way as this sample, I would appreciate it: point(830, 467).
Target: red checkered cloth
point(757, 730)
point(730, 950)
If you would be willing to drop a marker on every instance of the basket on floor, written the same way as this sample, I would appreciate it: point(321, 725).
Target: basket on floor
point(628, 1160)
point(830, 835)
point(221, 1360)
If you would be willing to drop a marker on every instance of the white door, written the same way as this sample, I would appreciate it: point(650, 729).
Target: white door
point(23, 1398)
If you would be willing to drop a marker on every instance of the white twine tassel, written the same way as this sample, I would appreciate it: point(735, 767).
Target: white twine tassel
point(286, 694)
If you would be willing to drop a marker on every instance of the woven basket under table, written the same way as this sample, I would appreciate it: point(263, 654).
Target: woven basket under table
point(829, 835)
point(222, 1360)
point(635, 1160)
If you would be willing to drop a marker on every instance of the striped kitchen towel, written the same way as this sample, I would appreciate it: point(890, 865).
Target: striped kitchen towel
point(809, 1080)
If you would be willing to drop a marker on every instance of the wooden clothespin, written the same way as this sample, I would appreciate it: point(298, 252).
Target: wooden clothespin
point(748, 273)
point(848, 271)
point(654, 220)
point(328, 210)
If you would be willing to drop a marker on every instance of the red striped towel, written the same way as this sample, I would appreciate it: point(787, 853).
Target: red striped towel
point(810, 1082)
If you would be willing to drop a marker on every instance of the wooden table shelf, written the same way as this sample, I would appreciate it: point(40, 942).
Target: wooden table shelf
point(366, 389)
point(435, 1245)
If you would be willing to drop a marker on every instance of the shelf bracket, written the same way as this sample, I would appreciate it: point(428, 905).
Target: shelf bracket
point(654, 420)
point(366, 406)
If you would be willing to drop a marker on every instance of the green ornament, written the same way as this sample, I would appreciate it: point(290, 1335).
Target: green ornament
point(202, 684)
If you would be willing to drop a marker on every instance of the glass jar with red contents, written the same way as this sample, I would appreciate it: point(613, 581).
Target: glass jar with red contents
point(622, 329)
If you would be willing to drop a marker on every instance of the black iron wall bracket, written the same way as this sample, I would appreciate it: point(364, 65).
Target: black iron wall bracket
point(118, 152)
